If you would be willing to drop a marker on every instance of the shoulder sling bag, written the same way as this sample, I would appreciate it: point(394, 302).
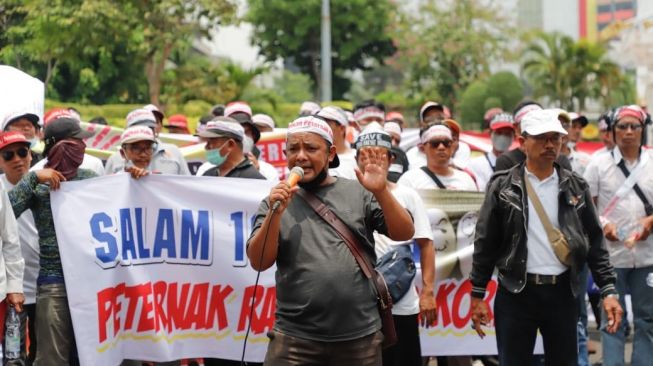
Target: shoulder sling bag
point(556, 238)
point(434, 177)
point(384, 302)
point(647, 206)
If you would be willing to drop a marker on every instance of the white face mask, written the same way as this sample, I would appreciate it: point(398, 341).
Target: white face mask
point(33, 142)
point(571, 145)
point(248, 144)
point(501, 142)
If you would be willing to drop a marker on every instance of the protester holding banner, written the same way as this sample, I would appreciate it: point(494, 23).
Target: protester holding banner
point(326, 308)
point(64, 149)
point(405, 312)
point(621, 183)
point(438, 173)
point(26, 123)
point(538, 226)
point(167, 159)
point(15, 160)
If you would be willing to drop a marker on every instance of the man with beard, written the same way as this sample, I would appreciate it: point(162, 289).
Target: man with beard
point(326, 308)
point(64, 149)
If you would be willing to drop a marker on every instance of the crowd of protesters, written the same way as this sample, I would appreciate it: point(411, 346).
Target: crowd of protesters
point(537, 184)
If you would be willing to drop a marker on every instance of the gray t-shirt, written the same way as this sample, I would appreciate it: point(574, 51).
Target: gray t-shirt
point(322, 294)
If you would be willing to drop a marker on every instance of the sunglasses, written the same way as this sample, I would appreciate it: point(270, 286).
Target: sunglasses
point(435, 143)
point(22, 153)
point(626, 126)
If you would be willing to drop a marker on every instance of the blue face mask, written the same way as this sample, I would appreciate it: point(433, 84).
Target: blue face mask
point(215, 157)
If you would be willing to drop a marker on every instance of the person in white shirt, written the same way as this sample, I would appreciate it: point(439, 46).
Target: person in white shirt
point(605, 133)
point(405, 312)
point(502, 134)
point(167, 159)
point(577, 159)
point(438, 173)
point(336, 118)
point(22, 263)
point(627, 219)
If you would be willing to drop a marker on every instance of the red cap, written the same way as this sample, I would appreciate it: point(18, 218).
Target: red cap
point(177, 120)
point(11, 137)
point(56, 113)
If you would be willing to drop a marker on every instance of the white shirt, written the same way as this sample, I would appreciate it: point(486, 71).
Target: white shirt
point(409, 199)
point(604, 178)
point(29, 247)
point(483, 168)
point(167, 159)
point(579, 161)
point(347, 166)
point(418, 179)
point(461, 159)
point(12, 264)
point(541, 259)
point(90, 162)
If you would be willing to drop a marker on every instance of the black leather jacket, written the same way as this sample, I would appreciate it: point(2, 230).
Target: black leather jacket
point(500, 239)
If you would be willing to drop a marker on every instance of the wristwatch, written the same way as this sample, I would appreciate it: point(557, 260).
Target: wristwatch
point(616, 296)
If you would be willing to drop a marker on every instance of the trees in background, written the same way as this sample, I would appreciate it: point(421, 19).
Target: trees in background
point(290, 30)
point(502, 89)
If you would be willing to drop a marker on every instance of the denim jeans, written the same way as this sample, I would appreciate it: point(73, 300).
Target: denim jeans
point(583, 355)
point(640, 283)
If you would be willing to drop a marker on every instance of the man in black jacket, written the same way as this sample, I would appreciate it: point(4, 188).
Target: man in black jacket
point(537, 285)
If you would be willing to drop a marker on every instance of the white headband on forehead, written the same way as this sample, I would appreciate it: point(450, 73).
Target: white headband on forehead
point(368, 112)
point(436, 131)
point(313, 125)
point(392, 127)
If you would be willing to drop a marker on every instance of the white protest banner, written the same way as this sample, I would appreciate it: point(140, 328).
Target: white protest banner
point(156, 270)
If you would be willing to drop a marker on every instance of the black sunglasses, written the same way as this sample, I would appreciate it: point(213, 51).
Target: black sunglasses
point(435, 143)
point(22, 153)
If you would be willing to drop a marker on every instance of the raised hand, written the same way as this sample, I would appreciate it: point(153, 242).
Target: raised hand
point(373, 175)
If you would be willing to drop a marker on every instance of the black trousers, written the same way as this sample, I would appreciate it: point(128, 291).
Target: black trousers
point(407, 351)
point(551, 309)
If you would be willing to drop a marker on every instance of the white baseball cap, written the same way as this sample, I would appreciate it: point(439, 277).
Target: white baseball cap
point(137, 133)
point(540, 121)
point(263, 119)
point(334, 113)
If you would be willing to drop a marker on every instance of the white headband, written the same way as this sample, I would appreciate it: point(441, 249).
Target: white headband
point(313, 125)
point(436, 131)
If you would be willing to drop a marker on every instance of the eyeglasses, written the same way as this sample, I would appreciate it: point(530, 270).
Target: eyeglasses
point(435, 143)
point(138, 149)
point(632, 126)
point(543, 139)
point(22, 153)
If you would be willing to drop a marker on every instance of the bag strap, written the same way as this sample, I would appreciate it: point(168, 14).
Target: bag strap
point(341, 228)
point(647, 206)
point(434, 177)
point(551, 232)
point(487, 157)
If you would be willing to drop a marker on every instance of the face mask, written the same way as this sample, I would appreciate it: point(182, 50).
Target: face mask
point(248, 144)
point(571, 145)
point(33, 142)
point(215, 157)
point(501, 142)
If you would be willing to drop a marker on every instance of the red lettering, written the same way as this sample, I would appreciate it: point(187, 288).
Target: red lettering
point(105, 307)
point(146, 322)
point(492, 287)
point(161, 319)
point(217, 308)
point(464, 290)
point(266, 321)
point(246, 307)
point(442, 303)
point(132, 293)
point(197, 308)
point(177, 308)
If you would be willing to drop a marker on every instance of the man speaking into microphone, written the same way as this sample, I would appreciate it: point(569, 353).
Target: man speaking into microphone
point(326, 308)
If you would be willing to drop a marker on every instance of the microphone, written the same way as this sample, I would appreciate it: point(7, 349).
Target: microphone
point(296, 174)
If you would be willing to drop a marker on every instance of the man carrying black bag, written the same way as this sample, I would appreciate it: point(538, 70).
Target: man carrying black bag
point(408, 306)
point(326, 308)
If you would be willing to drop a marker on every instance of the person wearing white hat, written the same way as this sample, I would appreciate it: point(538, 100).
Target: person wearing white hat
point(539, 228)
point(28, 124)
point(414, 307)
point(264, 122)
point(326, 308)
point(308, 108)
point(137, 145)
point(167, 159)
point(578, 159)
point(224, 149)
point(336, 118)
point(438, 173)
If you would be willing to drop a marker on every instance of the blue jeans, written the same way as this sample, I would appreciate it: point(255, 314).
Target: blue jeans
point(583, 355)
point(641, 294)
